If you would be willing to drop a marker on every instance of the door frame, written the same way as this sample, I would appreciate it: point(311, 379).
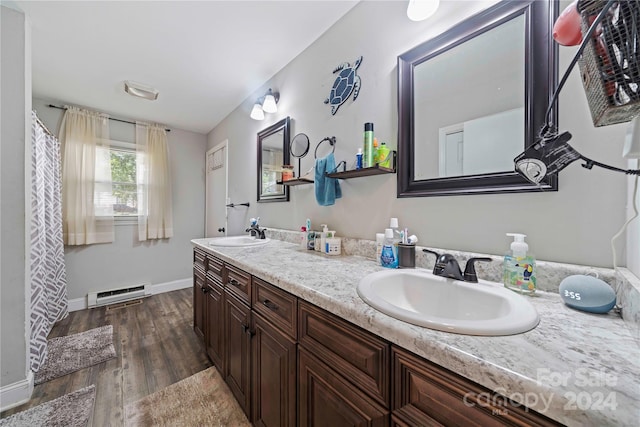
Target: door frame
point(224, 144)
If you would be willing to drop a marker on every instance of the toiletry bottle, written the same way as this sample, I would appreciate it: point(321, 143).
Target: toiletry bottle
point(379, 243)
point(393, 224)
point(303, 237)
point(376, 160)
point(359, 159)
point(368, 145)
point(383, 156)
point(519, 267)
point(323, 237)
point(389, 255)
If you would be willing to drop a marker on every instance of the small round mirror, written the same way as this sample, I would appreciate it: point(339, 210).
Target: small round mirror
point(299, 146)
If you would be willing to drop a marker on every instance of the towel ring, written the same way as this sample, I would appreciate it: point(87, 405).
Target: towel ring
point(332, 142)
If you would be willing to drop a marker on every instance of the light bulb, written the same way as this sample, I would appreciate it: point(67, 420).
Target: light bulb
point(419, 10)
point(256, 112)
point(269, 104)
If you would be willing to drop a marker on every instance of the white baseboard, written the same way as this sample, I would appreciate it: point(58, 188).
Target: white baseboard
point(77, 304)
point(17, 393)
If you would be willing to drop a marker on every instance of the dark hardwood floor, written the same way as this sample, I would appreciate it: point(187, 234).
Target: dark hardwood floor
point(155, 345)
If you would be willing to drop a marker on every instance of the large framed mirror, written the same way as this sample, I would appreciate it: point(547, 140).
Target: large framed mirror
point(471, 100)
point(273, 153)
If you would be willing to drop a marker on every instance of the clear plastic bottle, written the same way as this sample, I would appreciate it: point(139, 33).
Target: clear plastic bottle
point(389, 255)
point(519, 267)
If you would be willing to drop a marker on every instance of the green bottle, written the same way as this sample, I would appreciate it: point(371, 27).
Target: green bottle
point(383, 156)
point(368, 145)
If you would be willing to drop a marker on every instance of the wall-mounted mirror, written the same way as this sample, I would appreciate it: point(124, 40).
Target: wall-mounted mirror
point(472, 99)
point(273, 153)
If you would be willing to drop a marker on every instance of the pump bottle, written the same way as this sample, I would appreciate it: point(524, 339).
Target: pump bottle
point(519, 267)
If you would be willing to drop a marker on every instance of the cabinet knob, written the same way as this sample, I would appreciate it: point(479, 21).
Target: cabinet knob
point(248, 331)
point(234, 282)
point(204, 290)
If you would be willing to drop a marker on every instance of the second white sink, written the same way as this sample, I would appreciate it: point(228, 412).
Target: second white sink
point(424, 299)
point(238, 241)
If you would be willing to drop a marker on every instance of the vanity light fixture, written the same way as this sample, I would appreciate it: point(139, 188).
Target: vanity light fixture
point(140, 90)
point(419, 10)
point(269, 104)
point(256, 112)
point(266, 104)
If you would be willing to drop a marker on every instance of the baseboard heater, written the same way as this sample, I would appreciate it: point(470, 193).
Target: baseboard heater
point(98, 299)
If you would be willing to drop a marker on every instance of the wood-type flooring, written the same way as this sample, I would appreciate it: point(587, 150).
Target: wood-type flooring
point(155, 346)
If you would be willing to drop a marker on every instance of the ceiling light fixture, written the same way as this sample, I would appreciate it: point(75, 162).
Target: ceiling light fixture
point(266, 104)
point(419, 10)
point(140, 90)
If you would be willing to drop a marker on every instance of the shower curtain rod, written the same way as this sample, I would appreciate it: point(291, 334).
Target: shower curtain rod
point(46, 129)
point(110, 118)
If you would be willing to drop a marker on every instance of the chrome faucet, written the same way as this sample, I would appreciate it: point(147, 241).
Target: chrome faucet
point(255, 230)
point(447, 266)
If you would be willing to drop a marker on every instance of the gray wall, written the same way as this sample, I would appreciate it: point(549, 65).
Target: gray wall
point(573, 225)
point(16, 119)
point(127, 261)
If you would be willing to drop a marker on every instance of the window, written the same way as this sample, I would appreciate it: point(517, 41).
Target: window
point(117, 197)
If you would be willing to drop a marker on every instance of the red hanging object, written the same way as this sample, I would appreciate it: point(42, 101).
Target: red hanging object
point(566, 30)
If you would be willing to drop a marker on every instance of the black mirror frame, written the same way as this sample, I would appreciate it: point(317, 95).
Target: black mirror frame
point(540, 81)
point(285, 126)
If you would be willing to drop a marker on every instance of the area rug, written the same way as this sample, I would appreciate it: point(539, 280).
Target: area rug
point(71, 410)
point(74, 352)
point(202, 399)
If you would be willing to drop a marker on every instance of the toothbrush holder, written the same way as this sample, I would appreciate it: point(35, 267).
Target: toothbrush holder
point(406, 256)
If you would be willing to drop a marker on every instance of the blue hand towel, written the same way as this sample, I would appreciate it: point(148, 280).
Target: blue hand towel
point(327, 189)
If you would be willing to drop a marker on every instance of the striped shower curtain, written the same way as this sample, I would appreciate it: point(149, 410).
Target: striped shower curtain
point(49, 301)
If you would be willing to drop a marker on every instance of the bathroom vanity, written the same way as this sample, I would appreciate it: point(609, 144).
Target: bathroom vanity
point(297, 346)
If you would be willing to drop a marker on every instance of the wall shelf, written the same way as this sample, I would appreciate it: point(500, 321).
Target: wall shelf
point(374, 170)
point(297, 181)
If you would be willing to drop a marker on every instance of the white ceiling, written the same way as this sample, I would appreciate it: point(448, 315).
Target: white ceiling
point(205, 57)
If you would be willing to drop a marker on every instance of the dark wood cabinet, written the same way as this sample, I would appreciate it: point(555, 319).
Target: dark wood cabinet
point(426, 394)
point(289, 362)
point(273, 375)
point(357, 354)
point(327, 399)
point(237, 369)
point(199, 290)
point(214, 329)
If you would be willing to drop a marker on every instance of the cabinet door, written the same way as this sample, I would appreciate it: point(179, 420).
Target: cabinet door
point(214, 330)
point(327, 400)
point(427, 394)
point(274, 376)
point(237, 345)
point(199, 289)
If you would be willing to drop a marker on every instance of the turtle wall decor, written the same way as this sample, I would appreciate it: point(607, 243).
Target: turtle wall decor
point(346, 83)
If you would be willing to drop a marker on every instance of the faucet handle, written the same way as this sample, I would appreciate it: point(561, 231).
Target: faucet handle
point(432, 252)
point(470, 269)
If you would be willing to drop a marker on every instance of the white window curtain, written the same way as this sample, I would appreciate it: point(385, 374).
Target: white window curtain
point(155, 207)
point(86, 178)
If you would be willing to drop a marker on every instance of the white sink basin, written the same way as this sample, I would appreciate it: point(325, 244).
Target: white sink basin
point(238, 241)
point(424, 299)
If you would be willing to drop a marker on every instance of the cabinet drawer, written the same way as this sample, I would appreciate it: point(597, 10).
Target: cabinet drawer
point(239, 283)
point(214, 265)
point(427, 394)
point(362, 357)
point(276, 305)
point(199, 259)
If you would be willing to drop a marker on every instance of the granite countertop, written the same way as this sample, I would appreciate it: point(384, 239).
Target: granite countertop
point(577, 368)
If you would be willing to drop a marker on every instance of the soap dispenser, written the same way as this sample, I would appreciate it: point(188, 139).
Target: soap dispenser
point(519, 266)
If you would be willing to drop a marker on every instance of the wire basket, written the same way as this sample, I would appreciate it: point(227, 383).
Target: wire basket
point(610, 62)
